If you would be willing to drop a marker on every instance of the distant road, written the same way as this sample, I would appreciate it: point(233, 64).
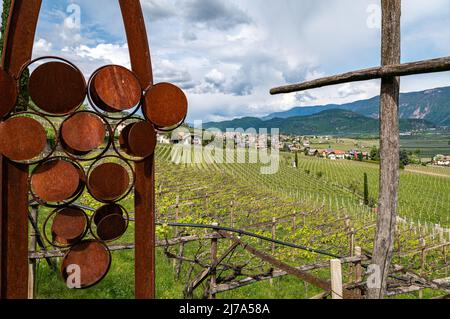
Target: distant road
point(412, 170)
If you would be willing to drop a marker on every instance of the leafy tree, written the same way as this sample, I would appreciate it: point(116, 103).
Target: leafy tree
point(360, 156)
point(404, 159)
point(375, 154)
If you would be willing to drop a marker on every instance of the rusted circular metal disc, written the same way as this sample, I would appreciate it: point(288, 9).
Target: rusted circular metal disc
point(8, 95)
point(111, 227)
point(55, 181)
point(116, 89)
point(57, 87)
point(69, 225)
point(165, 105)
point(22, 138)
point(108, 182)
point(142, 139)
point(123, 138)
point(83, 132)
point(106, 210)
point(93, 258)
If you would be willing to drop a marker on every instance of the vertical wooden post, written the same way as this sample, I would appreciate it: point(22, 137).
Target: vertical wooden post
point(294, 222)
point(177, 217)
point(231, 214)
point(358, 268)
point(423, 258)
point(351, 249)
point(274, 236)
point(32, 247)
point(274, 233)
point(389, 149)
point(214, 259)
point(337, 290)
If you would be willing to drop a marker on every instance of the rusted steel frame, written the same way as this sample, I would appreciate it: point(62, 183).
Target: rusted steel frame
point(17, 51)
point(160, 243)
point(412, 68)
point(145, 171)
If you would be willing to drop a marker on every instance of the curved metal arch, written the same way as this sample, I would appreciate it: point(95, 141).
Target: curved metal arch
point(17, 51)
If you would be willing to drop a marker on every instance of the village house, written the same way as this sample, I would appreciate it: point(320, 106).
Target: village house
point(191, 139)
point(162, 139)
point(441, 160)
point(340, 155)
point(313, 152)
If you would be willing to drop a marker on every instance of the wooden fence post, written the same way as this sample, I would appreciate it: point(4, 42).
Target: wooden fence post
point(213, 281)
point(423, 257)
point(389, 148)
point(337, 290)
point(274, 233)
point(274, 236)
point(176, 262)
point(231, 214)
point(351, 249)
point(294, 222)
point(32, 248)
point(358, 268)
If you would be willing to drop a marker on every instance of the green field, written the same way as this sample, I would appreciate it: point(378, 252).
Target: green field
point(326, 193)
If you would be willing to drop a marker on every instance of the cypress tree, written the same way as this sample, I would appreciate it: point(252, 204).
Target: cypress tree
point(296, 159)
point(366, 190)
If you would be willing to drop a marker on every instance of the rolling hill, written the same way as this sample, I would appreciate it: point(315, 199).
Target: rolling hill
point(329, 122)
point(431, 105)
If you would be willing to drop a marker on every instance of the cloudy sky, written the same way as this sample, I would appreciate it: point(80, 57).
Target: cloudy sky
point(227, 54)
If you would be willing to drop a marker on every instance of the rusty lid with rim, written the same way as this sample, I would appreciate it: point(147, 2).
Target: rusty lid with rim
point(57, 88)
point(8, 96)
point(108, 182)
point(22, 138)
point(142, 139)
point(83, 132)
point(69, 225)
point(165, 105)
point(111, 227)
point(106, 210)
point(115, 89)
point(123, 138)
point(93, 259)
point(55, 180)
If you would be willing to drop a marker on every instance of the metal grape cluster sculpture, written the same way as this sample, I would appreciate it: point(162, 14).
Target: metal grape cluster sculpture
point(90, 150)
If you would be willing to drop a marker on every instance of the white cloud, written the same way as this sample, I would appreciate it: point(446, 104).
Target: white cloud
point(113, 53)
point(228, 54)
point(42, 46)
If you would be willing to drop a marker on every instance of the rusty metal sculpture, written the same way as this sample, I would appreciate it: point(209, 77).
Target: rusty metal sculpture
point(58, 88)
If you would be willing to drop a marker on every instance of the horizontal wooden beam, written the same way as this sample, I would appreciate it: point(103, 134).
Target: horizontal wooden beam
point(413, 68)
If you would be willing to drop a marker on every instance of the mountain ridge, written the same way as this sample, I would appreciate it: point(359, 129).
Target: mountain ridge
point(328, 122)
point(432, 105)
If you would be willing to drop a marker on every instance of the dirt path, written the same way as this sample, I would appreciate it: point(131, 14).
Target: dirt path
point(411, 170)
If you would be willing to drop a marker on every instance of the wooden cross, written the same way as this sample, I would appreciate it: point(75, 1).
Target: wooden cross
point(389, 72)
